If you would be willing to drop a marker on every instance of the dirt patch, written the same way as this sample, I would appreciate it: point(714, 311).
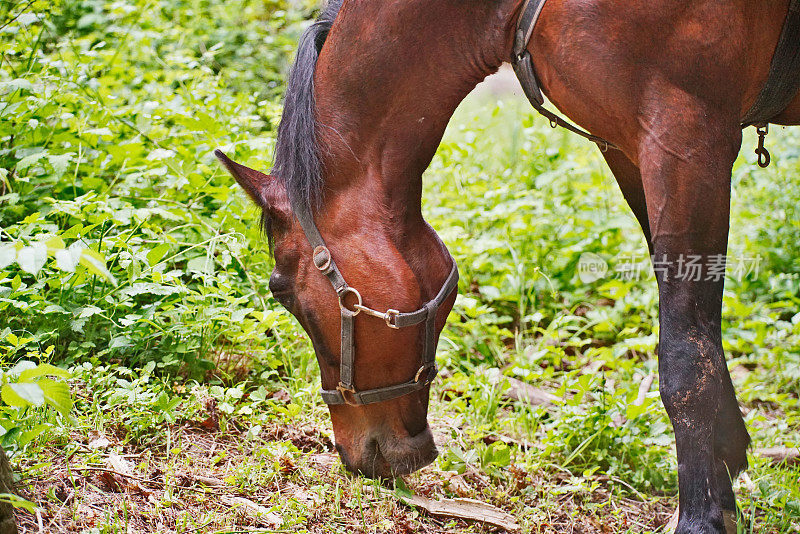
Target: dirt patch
point(212, 481)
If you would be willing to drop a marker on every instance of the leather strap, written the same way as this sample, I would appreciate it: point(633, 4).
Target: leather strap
point(522, 62)
point(783, 81)
point(346, 392)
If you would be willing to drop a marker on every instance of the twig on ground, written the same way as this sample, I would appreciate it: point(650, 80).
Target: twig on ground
point(126, 475)
point(779, 455)
point(518, 390)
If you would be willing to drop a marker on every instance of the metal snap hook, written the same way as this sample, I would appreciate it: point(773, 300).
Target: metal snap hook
point(764, 157)
point(391, 318)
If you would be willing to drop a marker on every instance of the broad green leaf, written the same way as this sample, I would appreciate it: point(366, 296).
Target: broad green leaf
point(57, 394)
point(99, 131)
point(68, 259)
point(54, 308)
point(31, 259)
point(22, 395)
point(54, 244)
point(29, 435)
point(59, 162)
point(157, 254)
point(87, 311)
point(160, 154)
point(43, 369)
point(27, 161)
point(8, 253)
point(18, 502)
point(15, 84)
point(96, 264)
point(21, 366)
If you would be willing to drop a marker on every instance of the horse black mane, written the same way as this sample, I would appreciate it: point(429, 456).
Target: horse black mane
point(297, 162)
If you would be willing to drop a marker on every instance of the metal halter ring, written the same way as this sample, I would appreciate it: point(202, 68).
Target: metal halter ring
point(357, 307)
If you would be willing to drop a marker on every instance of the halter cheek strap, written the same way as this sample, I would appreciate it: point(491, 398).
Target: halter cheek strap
point(346, 392)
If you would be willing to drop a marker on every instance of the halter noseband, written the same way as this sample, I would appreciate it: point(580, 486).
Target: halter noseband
point(346, 392)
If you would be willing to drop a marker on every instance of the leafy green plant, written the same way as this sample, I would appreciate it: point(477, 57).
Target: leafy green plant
point(27, 386)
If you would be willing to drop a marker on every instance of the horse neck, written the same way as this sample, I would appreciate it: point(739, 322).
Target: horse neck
point(388, 79)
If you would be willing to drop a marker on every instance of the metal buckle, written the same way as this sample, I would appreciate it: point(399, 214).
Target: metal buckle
point(357, 307)
point(425, 367)
point(344, 390)
point(391, 318)
point(327, 263)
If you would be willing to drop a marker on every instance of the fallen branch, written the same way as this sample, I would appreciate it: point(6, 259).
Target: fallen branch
point(468, 509)
point(111, 471)
point(779, 455)
point(644, 389)
point(518, 390)
point(641, 396)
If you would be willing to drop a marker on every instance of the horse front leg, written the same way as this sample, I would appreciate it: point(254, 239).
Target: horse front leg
point(686, 173)
point(730, 434)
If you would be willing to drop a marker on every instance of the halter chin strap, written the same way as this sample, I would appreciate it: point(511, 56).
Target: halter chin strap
point(346, 392)
point(523, 67)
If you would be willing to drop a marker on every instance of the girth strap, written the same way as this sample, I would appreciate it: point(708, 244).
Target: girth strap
point(523, 67)
point(783, 81)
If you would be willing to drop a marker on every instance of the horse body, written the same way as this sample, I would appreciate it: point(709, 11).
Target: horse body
point(668, 82)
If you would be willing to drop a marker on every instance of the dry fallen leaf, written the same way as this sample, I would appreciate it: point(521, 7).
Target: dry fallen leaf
point(120, 475)
point(282, 395)
point(87, 514)
point(324, 461)
point(99, 443)
point(469, 509)
point(304, 497)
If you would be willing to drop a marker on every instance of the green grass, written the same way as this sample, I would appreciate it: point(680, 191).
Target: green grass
point(188, 369)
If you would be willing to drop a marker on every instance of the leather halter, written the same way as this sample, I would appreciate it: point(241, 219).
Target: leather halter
point(346, 392)
point(523, 67)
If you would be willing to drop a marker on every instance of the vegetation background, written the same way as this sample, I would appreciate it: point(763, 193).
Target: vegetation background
point(133, 284)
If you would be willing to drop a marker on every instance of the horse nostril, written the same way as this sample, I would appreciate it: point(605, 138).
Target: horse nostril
point(279, 284)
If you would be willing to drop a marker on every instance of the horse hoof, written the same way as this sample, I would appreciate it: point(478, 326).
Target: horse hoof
point(728, 519)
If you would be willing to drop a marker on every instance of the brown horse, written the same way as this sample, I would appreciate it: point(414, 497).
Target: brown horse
point(373, 88)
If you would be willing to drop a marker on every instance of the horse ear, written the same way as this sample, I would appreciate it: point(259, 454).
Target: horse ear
point(265, 190)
